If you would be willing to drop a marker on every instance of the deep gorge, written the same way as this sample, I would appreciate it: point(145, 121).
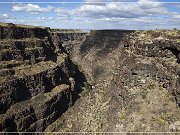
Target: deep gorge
point(60, 80)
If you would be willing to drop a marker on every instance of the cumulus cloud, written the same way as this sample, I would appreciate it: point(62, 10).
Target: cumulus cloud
point(30, 8)
point(9, 19)
point(123, 10)
point(94, 10)
point(5, 16)
point(139, 14)
point(149, 3)
point(110, 14)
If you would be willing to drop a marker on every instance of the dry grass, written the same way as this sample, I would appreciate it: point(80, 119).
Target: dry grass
point(147, 37)
point(34, 69)
point(57, 90)
point(19, 25)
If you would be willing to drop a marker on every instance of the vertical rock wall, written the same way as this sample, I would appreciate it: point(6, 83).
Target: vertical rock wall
point(36, 77)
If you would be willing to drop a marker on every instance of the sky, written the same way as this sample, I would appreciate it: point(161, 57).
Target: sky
point(93, 14)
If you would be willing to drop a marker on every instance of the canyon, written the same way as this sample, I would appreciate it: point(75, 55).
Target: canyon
point(60, 80)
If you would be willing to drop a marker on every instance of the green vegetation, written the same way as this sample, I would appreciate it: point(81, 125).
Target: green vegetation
point(159, 120)
point(177, 40)
point(122, 115)
point(86, 86)
point(162, 118)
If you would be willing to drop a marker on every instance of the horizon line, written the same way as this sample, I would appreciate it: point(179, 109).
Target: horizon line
point(87, 29)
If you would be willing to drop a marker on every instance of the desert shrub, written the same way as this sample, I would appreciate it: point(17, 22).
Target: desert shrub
point(86, 86)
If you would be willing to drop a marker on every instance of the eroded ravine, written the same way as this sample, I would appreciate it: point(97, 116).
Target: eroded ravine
point(135, 78)
point(102, 81)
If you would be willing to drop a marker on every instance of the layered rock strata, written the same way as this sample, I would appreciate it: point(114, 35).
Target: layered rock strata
point(135, 78)
point(38, 81)
point(130, 81)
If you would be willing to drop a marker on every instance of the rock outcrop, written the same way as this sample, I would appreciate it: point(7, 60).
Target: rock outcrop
point(38, 81)
point(135, 83)
point(127, 81)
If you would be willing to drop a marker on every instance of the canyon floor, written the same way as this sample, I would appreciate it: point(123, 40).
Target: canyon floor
point(59, 80)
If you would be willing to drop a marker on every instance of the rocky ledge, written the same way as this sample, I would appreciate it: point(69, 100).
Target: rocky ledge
point(135, 80)
point(38, 81)
point(127, 81)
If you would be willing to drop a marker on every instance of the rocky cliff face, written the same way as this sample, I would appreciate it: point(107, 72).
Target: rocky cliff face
point(135, 83)
point(130, 80)
point(38, 80)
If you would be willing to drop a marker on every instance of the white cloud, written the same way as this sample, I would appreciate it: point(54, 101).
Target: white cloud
point(123, 10)
point(177, 16)
point(140, 14)
point(61, 12)
point(149, 3)
point(109, 9)
point(34, 13)
point(31, 8)
point(9, 19)
point(40, 18)
point(4, 16)
point(137, 15)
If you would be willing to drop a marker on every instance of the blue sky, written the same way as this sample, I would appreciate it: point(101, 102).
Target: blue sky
point(93, 14)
